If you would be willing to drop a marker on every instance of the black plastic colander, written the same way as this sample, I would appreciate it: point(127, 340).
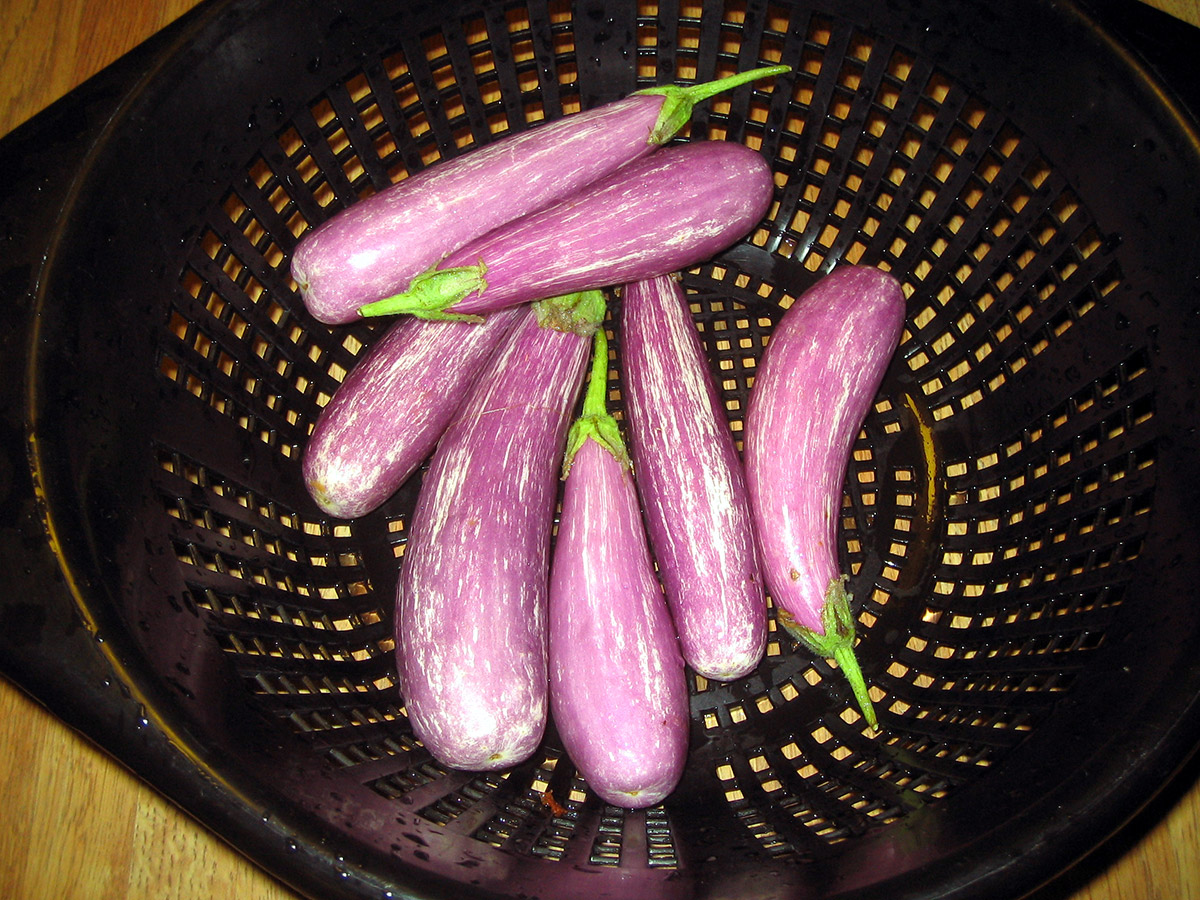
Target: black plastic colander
point(1020, 515)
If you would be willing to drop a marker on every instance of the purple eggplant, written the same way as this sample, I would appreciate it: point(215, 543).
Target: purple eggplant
point(388, 414)
point(377, 246)
point(652, 216)
point(618, 692)
point(813, 387)
point(471, 599)
point(692, 484)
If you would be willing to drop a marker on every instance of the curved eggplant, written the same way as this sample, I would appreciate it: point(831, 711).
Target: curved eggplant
point(814, 385)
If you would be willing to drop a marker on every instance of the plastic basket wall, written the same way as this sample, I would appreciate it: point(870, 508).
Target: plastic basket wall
point(1019, 514)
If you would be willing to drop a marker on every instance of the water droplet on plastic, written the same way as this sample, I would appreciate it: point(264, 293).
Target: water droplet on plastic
point(292, 845)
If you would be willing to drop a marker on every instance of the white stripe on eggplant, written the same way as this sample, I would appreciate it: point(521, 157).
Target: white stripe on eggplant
point(387, 415)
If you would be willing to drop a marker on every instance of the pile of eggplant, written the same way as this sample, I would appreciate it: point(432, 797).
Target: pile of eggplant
point(495, 265)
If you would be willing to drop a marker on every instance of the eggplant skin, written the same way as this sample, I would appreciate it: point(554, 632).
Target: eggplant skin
point(386, 417)
point(692, 484)
point(471, 600)
point(813, 387)
point(658, 214)
point(618, 691)
point(375, 247)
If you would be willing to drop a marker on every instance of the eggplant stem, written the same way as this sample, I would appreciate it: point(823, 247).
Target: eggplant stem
point(579, 313)
point(595, 422)
point(679, 101)
point(431, 293)
point(836, 643)
point(595, 401)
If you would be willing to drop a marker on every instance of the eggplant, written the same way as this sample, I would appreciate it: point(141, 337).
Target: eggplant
point(471, 599)
point(691, 482)
point(618, 693)
point(386, 417)
point(652, 216)
point(377, 246)
point(816, 381)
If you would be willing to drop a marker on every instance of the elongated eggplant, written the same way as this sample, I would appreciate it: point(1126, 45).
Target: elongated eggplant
point(618, 692)
point(692, 484)
point(655, 215)
point(377, 246)
point(814, 385)
point(388, 414)
point(471, 599)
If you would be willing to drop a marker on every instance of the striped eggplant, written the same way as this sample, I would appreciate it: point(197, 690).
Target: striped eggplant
point(471, 599)
point(813, 387)
point(655, 215)
point(618, 692)
point(388, 414)
point(378, 245)
point(692, 484)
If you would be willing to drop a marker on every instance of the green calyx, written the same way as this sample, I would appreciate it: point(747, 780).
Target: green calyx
point(595, 423)
point(679, 101)
point(836, 643)
point(432, 293)
point(580, 313)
